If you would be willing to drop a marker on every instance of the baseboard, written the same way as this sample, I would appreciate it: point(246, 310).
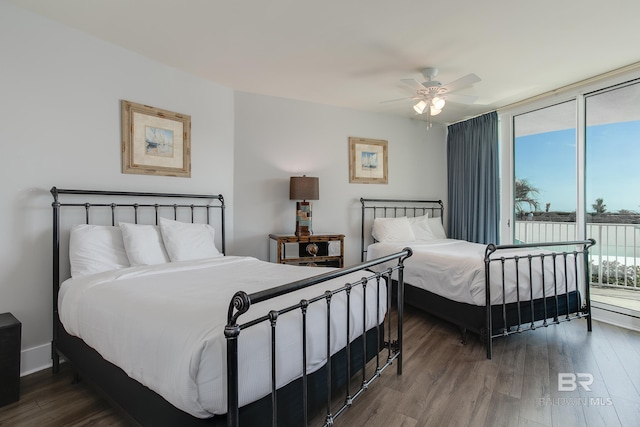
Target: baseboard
point(618, 316)
point(35, 359)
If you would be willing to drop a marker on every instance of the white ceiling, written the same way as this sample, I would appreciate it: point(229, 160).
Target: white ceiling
point(353, 53)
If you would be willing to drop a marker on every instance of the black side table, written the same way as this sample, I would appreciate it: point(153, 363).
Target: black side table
point(10, 337)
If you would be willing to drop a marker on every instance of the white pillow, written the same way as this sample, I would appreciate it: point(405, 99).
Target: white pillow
point(436, 227)
point(392, 230)
point(421, 229)
point(185, 241)
point(96, 248)
point(143, 244)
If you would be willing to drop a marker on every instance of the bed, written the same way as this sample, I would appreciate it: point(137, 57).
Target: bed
point(490, 290)
point(148, 307)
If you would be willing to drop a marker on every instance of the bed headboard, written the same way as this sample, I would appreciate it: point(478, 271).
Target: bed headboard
point(392, 208)
point(71, 207)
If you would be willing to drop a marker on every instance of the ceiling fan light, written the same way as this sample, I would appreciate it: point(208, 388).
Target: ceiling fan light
point(419, 107)
point(438, 103)
point(434, 111)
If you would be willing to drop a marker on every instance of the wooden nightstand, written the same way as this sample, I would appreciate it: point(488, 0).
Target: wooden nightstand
point(316, 250)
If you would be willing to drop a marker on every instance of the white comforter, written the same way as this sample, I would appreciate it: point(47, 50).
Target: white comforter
point(455, 270)
point(163, 325)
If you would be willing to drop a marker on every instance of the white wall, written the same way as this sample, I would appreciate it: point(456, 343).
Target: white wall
point(277, 138)
point(60, 93)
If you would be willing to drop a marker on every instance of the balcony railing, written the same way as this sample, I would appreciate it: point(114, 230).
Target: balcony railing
point(614, 260)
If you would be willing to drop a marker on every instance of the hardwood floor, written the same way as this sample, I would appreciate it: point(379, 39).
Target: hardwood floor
point(54, 400)
point(444, 383)
point(447, 383)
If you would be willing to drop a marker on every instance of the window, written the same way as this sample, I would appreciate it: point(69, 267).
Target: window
point(544, 196)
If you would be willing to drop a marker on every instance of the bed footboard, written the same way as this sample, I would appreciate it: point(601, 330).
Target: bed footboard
point(242, 302)
point(508, 269)
point(551, 286)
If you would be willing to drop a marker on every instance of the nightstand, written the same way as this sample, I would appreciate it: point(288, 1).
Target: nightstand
point(316, 250)
point(10, 337)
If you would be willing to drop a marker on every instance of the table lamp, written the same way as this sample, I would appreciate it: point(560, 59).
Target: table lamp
point(303, 188)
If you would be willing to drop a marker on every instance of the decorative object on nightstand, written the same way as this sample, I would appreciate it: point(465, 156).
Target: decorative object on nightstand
point(325, 249)
point(303, 188)
point(10, 337)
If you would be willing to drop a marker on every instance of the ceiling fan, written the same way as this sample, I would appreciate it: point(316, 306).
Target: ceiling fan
point(432, 95)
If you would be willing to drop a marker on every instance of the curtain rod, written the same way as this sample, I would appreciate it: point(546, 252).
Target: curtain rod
point(471, 117)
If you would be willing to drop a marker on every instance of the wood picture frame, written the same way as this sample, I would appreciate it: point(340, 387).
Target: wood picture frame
point(155, 141)
point(368, 160)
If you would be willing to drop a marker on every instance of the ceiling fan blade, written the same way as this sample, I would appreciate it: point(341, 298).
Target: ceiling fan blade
point(460, 99)
point(413, 84)
point(398, 99)
point(465, 81)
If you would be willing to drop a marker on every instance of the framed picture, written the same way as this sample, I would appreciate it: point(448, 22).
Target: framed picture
point(368, 160)
point(155, 141)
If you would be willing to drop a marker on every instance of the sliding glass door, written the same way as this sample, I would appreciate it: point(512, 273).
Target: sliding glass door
point(612, 183)
point(576, 172)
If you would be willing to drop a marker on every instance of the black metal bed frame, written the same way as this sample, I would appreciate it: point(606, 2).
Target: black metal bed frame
point(491, 321)
point(145, 407)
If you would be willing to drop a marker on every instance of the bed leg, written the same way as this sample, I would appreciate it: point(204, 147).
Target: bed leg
point(463, 335)
point(55, 357)
point(486, 338)
point(489, 343)
point(76, 378)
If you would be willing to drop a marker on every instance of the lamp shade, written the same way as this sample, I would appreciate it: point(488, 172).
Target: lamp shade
point(419, 107)
point(438, 103)
point(304, 188)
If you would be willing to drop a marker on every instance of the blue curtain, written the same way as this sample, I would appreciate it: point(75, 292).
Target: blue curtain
point(473, 187)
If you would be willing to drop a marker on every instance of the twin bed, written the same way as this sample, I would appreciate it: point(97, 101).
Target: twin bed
point(491, 290)
point(177, 333)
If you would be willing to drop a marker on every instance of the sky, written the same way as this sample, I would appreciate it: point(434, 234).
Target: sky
point(548, 162)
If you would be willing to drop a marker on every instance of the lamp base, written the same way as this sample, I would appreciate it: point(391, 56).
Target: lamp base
point(303, 219)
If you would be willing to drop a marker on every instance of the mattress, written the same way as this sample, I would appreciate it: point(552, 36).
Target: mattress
point(455, 270)
point(163, 325)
